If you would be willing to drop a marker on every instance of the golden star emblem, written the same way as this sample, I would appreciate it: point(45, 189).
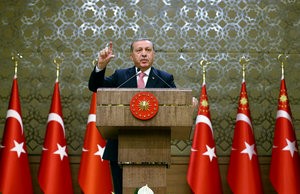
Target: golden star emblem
point(244, 101)
point(204, 103)
point(144, 105)
point(283, 98)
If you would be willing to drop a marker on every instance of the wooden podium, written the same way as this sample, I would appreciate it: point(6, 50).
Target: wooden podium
point(144, 150)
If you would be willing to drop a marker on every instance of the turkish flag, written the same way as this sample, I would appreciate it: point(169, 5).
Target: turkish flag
point(54, 171)
point(285, 167)
point(203, 174)
point(243, 171)
point(14, 166)
point(94, 172)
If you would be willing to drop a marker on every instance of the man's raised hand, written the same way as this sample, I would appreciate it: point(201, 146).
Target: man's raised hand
point(105, 55)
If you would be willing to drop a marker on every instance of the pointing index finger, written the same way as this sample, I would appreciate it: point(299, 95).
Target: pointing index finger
point(110, 45)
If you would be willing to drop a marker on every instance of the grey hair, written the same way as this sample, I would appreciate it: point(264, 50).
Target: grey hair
point(141, 39)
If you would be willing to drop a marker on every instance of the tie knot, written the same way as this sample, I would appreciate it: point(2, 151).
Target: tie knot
point(141, 75)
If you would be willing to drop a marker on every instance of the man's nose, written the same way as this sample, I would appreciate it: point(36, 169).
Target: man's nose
point(144, 53)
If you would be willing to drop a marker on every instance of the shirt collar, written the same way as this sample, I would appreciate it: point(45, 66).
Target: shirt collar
point(147, 72)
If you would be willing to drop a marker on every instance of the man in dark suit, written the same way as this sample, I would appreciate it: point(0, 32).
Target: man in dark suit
point(142, 55)
point(141, 75)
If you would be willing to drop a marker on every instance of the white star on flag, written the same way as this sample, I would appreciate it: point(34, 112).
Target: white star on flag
point(18, 148)
point(61, 151)
point(100, 151)
point(210, 152)
point(291, 146)
point(249, 150)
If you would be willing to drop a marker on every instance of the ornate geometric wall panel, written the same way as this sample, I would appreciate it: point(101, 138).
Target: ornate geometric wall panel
point(184, 32)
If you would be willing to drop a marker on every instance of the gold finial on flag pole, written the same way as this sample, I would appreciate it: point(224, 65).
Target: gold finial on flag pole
point(204, 64)
point(244, 62)
point(282, 59)
point(57, 61)
point(16, 58)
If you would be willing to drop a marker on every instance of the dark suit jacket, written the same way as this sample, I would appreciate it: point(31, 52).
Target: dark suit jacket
point(126, 78)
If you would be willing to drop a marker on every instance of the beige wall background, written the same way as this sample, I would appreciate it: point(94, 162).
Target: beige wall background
point(184, 33)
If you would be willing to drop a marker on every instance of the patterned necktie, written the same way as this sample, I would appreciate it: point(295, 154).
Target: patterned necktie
point(141, 83)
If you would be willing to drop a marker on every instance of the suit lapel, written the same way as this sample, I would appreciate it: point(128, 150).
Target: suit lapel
point(152, 79)
point(131, 72)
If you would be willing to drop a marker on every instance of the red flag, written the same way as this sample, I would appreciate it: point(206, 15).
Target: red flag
point(203, 174)
point(244, 172)
point(14, 166)
point(54, 171)
point(285, 167)
point(94, 172)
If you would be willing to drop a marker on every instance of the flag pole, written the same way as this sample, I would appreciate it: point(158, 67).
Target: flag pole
point(244, 62)
point(15, 59)
point(57, 61)
point(282, 58)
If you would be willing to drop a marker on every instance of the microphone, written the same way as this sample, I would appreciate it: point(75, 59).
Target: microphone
point(162, 80)
point(138, 72)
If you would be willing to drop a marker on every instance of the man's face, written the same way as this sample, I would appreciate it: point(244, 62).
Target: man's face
point(142, 54)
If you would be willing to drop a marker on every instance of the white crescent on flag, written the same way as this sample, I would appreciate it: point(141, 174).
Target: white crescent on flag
point(16, 115)
point(56, 117)
point(91, 118)
point(283, 114)
point(206, 120)
point(243, 117)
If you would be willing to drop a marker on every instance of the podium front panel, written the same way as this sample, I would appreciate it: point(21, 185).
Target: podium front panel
point(175, 111)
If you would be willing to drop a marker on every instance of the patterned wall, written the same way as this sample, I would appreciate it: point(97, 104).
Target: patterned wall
point(184, 32)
